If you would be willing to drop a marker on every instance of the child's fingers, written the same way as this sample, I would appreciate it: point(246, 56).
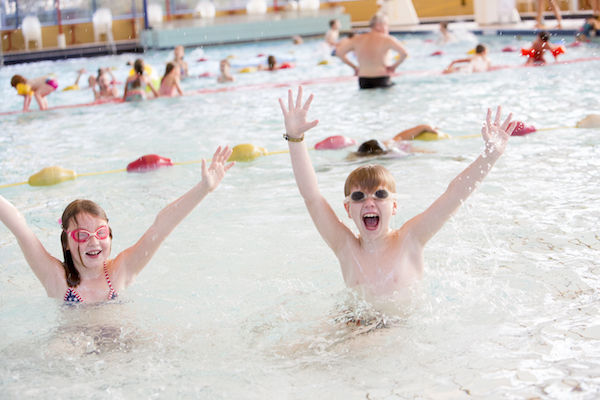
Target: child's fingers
point(290, 100)
point(228, 166)
point(511, 128)
point(506, 122)
point(498, 115)
point(307, 104)
point(282, 107)
point(299, 97)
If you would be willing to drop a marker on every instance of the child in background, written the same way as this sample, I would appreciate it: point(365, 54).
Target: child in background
point(87, 274)
point(478, 63)
point(225, 75)
point(169, 84)
point(37, 87)
point(379, 260)
point(538, 47)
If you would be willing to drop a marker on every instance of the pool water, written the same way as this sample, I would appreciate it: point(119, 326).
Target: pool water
point(245, 300)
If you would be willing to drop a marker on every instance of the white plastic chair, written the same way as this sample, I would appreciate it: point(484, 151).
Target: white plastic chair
point(206, 9)
point(155, 14)
point(102, 21)
point(32, 31)
point(309, 5)
point(256, 7)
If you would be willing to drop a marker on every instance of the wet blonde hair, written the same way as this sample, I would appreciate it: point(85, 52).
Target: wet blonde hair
point(370, 177)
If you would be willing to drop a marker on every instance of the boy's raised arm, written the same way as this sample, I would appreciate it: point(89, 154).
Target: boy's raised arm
point(328, 224)
point(495, 135)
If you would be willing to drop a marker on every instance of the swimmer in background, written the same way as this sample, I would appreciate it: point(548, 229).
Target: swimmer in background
point(37, 87)
point(180, 62)
point(445, 35)
point(225, 72)
point(380, 261)
point(538, 47)
point(398, 146)
point(106, 82)
point(371, 50)
point(589, 28)
point(136, 84)
point(478, 63)
point(539, 19)
point(87, 274)
point(333, 34)
point(297, 39)
point(169, 84)
point(272, 65)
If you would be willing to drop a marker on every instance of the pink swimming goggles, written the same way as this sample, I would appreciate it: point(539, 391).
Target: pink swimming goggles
point(83, 235)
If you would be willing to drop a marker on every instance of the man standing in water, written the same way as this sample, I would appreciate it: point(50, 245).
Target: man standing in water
point(371, 51)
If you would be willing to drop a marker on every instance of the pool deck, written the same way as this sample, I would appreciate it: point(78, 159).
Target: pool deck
point(276, 26)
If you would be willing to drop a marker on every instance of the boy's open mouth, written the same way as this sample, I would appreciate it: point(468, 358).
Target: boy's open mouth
point(371, 221)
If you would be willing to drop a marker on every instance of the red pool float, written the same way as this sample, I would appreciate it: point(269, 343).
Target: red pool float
point(148, 162)
point(334, 143)
point(521, 129)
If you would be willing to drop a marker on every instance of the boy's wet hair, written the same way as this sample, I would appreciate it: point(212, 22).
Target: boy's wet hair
point(16, 79)
point(479, 49)
point(73, 210)
point(544, 36)
point(370, 177)
point(272, 61)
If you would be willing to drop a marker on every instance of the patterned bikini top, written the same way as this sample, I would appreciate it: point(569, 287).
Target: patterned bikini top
point(72, 296)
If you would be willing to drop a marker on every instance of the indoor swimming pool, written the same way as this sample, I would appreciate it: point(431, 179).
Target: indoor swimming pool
point(245, 300)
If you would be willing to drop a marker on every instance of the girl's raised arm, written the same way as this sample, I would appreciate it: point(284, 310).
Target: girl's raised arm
point(132, 260)
point(48, 269)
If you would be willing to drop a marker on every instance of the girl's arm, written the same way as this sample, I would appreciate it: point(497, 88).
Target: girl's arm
point(132, 260)
point(496, 135)
point(48, 269)
point(125, 90)
point(410, 133)
point(333, 231)
point(26, 102)
point(178, 87)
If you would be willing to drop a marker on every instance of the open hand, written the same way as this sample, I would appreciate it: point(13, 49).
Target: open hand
point(496, 135)
point(213, 174)
point(295, 115)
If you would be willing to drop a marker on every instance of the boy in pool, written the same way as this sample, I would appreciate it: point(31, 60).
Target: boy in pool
point(538, 47)
point(87, 274)
point(37, 87)
point(379, 260)
point(478, 63)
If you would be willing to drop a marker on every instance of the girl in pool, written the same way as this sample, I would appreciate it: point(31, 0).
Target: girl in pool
point(169, 84)
point(87, 274)
point(37, 87)
point(135, 87)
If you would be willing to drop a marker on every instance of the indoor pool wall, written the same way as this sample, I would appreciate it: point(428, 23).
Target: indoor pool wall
point(244, 300)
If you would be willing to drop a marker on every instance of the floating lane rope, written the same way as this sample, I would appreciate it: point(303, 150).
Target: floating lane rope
point(248, 152)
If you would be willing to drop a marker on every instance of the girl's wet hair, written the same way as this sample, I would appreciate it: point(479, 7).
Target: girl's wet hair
point(271, 61)
point(138, 67)
point(73, 210)
point(170, 67)
point(370, 177)
point(16, 79)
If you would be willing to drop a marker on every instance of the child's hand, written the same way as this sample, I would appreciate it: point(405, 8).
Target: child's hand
point(496, 135)
point(295, 115)
point(212, 175)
